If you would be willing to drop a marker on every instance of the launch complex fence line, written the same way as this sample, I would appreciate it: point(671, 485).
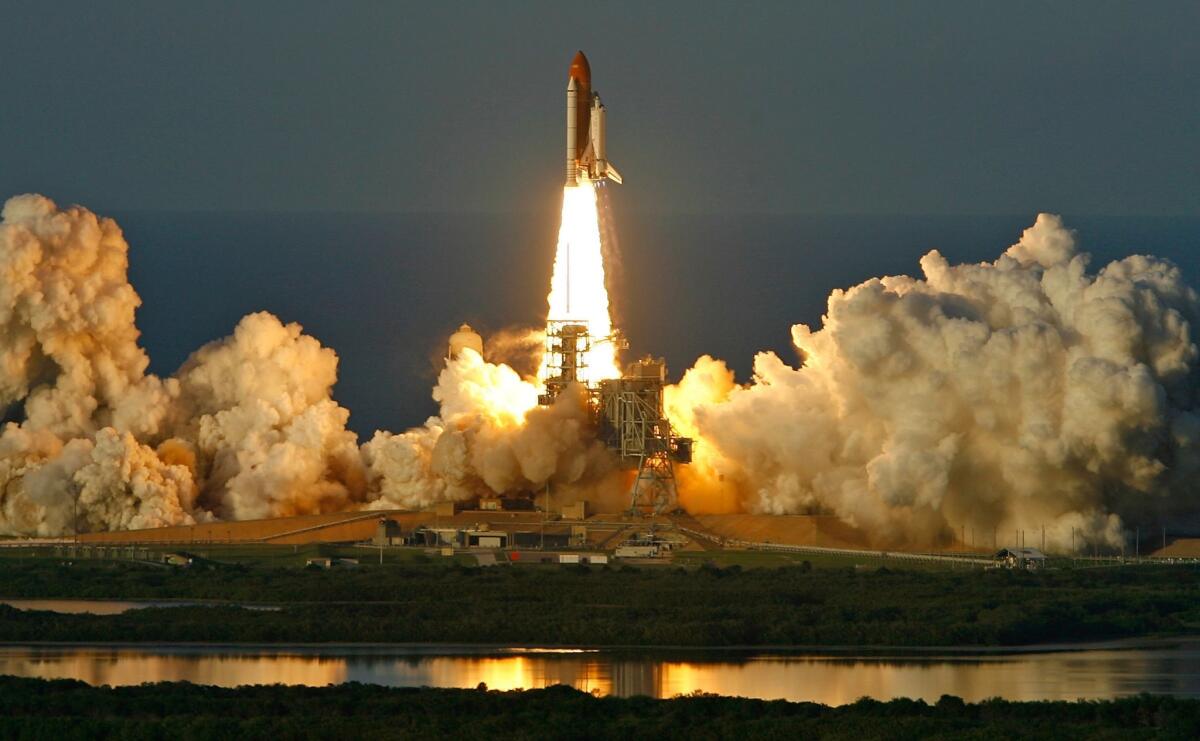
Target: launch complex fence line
point(821, 550)
point(314, 528)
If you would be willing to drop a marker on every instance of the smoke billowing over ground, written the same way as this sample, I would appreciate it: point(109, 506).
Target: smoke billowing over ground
point(1021, 393)
point(1013, 394)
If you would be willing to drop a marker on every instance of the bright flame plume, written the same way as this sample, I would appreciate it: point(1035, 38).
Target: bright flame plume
point(577, 292)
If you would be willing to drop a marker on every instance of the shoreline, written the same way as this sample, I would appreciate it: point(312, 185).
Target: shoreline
point(501, 649)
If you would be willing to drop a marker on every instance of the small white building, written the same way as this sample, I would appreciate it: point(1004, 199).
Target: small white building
point(486, 539)
point(636, 551)
point(583, 558)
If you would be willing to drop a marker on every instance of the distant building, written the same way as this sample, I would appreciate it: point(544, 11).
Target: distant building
point(435, 537)
point(540, 539)
point(506, 504)
point(1020, 558)
point(576, 511)
point(636, 551)
point(387, 532)
point(486, 538)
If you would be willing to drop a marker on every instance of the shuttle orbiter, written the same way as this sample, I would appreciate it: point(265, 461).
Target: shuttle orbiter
point(586, 157)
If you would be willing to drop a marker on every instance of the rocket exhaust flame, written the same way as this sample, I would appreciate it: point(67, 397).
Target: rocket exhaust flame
point(578, 291)
point(577, 288)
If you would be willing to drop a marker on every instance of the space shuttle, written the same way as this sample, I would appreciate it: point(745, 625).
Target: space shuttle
point(586, 157)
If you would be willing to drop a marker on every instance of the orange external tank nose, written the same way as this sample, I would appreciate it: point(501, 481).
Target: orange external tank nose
point(581, 73)
point(581, 70)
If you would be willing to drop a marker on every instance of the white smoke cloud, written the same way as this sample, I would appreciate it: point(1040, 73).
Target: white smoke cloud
point(491, 438)
point(258, 407)
point(1022, 393)
point(247, 428)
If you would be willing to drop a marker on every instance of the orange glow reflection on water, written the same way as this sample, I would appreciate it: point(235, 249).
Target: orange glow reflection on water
point(130, 667)
point(829, 680)
point(520, 672)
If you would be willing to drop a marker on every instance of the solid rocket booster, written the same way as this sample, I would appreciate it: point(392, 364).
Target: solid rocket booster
point(586, 155)
point(572, 132)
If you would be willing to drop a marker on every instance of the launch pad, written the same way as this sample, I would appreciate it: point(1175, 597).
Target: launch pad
point(579, 364)
point(627, 413)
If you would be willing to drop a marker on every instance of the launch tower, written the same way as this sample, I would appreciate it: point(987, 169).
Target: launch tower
point(627, 413)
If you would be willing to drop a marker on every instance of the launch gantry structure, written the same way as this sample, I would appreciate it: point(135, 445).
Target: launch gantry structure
point(627, 413)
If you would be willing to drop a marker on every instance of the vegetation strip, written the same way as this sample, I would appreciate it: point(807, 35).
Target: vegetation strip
point(67, 709)
point(622, 606)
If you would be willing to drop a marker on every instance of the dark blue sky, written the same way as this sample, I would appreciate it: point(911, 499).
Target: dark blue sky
point(753, 137)
point(882, 108)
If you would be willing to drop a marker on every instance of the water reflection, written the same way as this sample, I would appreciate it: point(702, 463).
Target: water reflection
point(115, 607)
point(1099, 673)
point(77, 606)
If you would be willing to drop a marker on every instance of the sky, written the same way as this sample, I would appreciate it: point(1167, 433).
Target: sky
point(787, 108)
point(381, 172)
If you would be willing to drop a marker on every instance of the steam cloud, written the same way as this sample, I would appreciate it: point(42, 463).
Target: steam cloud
point(491, 437)
point(1013, 394)
point(246, 428)
point(1021, 393)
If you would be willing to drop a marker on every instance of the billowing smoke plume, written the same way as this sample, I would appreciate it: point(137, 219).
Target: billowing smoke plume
point(1021, 393)
point(247, 428)
point(491, 437)
point(1017, 394)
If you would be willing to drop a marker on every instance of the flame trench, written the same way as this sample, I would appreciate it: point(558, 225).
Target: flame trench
point(577, 289)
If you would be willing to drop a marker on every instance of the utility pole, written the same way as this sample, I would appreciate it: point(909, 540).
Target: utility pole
point(1137, 542)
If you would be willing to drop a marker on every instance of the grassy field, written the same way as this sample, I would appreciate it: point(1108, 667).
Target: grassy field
point(266, 554)
point(776, 559)
point(439, 600)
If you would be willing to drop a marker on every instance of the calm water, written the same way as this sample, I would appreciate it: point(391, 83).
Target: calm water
point(107, 606)
point(834, 680)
